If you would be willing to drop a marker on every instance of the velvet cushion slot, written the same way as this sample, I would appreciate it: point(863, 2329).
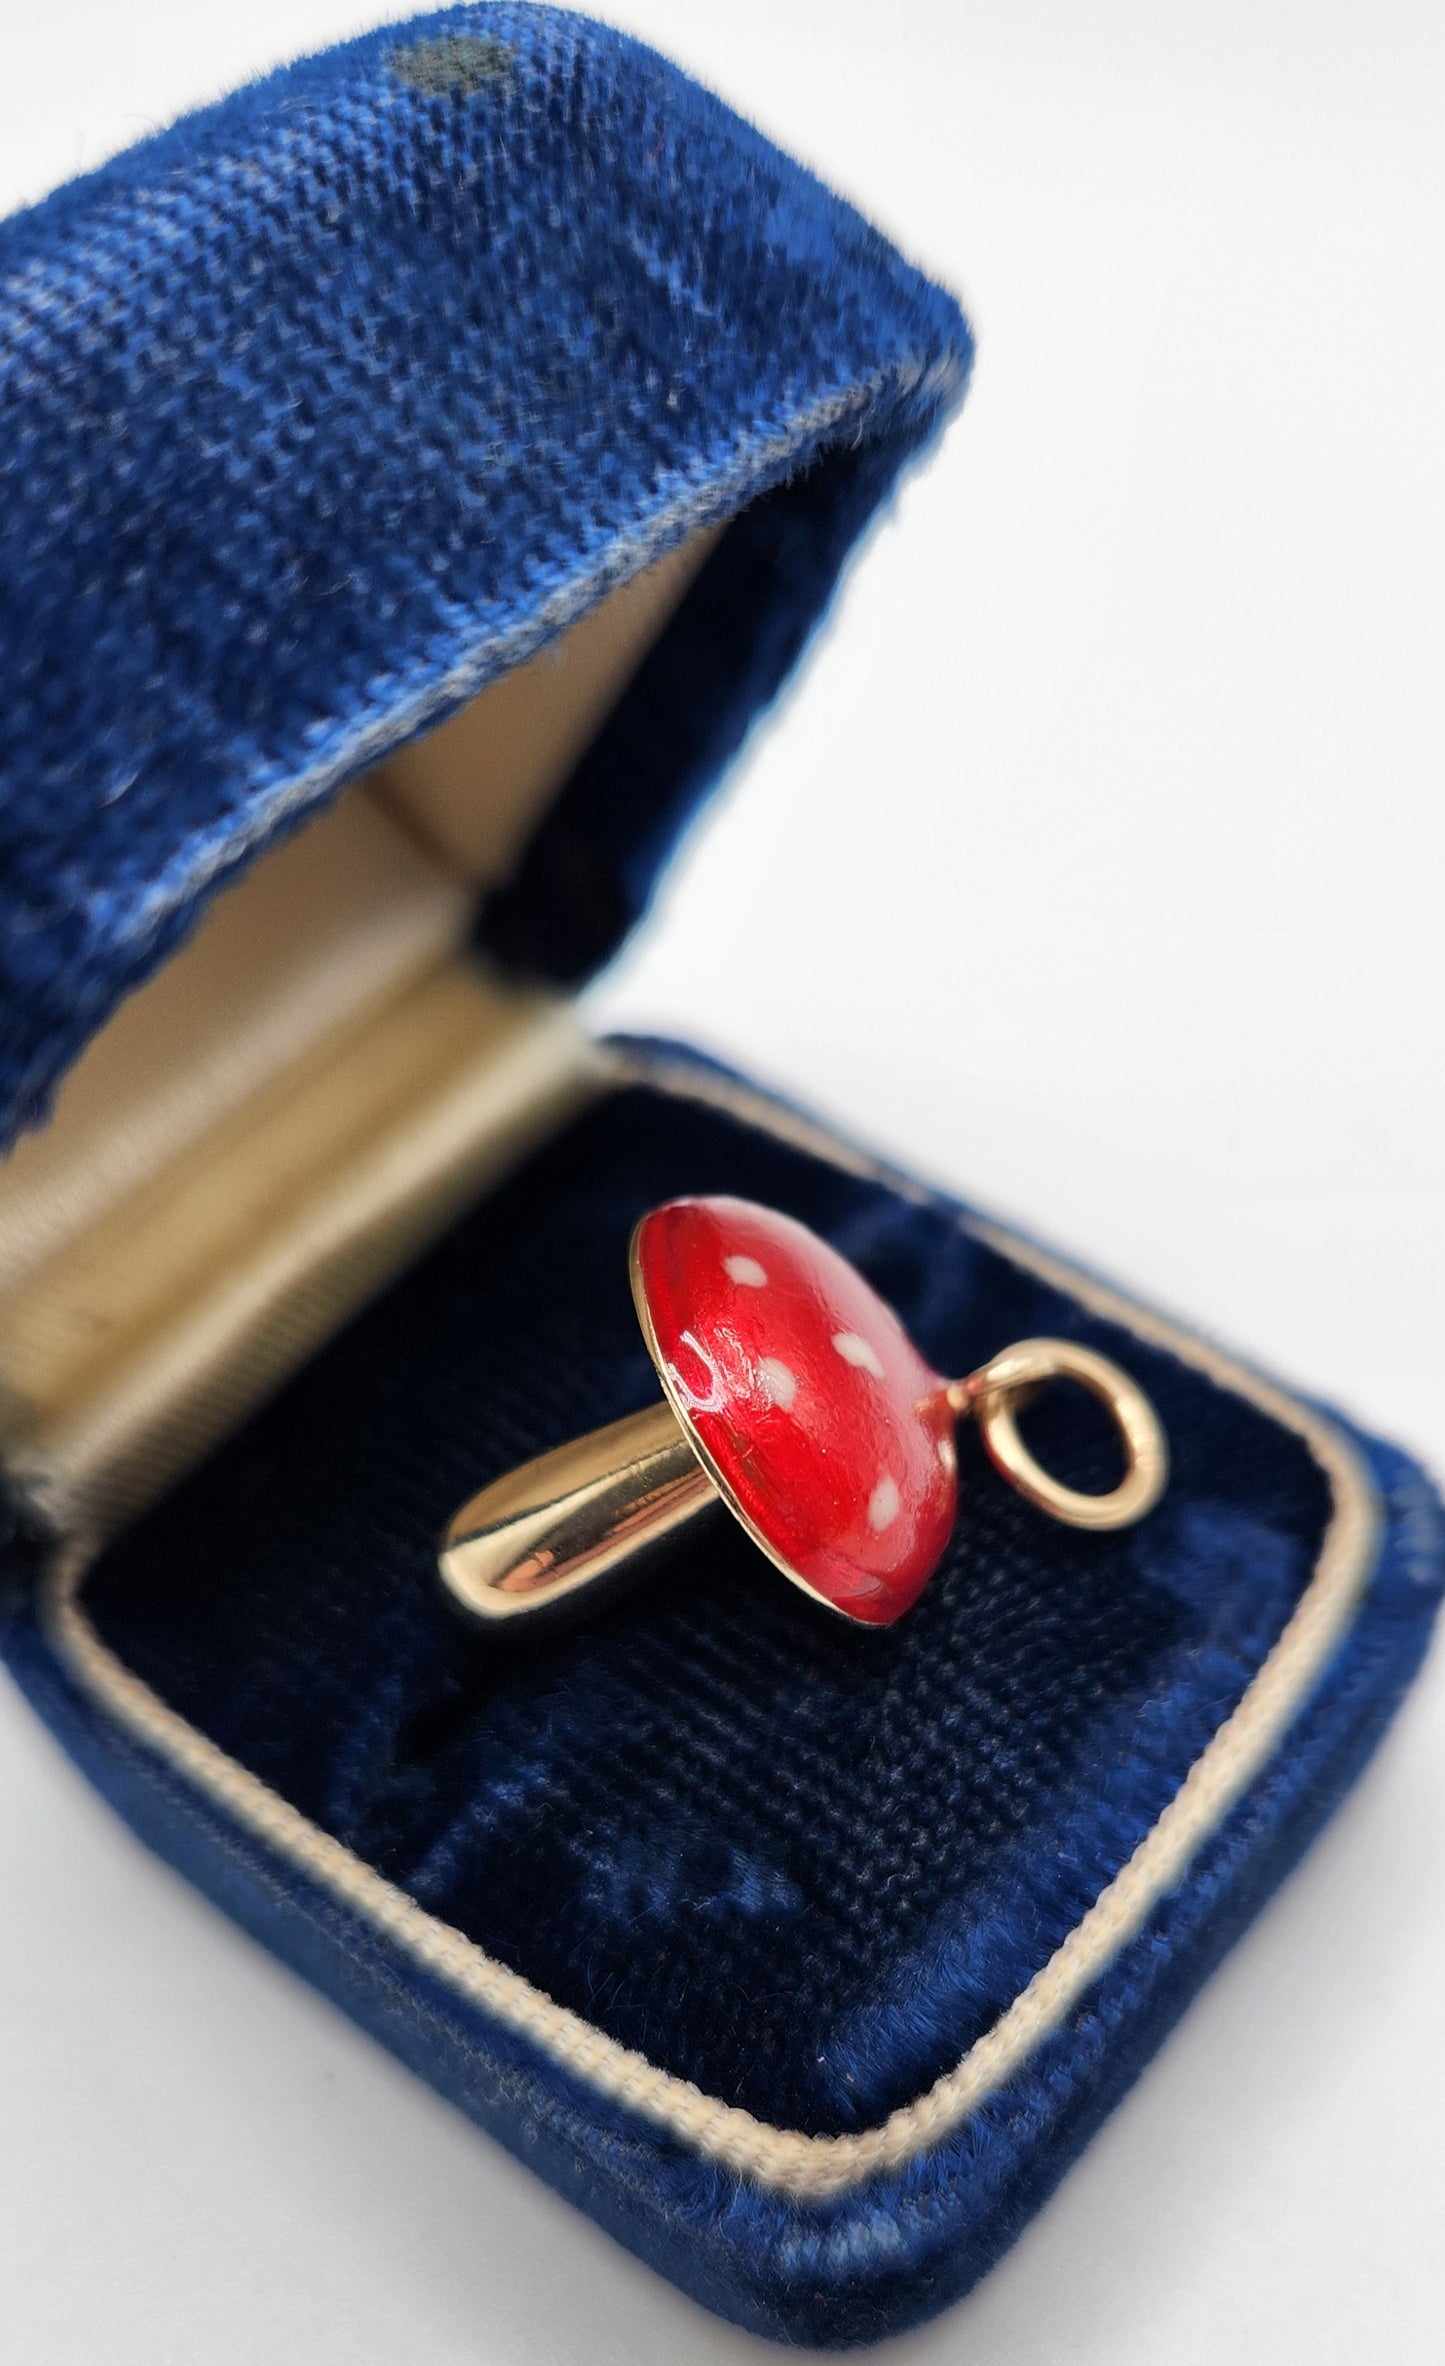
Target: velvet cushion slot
point(328, 406)
point(801, 1867)
point(772, 1854)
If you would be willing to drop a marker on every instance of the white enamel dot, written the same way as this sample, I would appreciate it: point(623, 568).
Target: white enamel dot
point(858, 1351)
point(780, 1383)
point(883, 1505)
point(747, 1271)
point(946, 1454)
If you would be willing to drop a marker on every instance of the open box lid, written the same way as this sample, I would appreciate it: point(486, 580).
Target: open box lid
point(335, 402)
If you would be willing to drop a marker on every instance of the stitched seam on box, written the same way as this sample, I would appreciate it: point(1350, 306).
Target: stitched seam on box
point(816, 2168)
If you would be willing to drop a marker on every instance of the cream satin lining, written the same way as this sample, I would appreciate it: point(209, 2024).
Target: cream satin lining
point(336, 921)
point(816, 2168)
point(308, 1090)
point(473, 788)
point(163, 1324)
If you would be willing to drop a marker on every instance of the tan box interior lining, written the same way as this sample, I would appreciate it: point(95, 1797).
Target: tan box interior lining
point(301, 1098)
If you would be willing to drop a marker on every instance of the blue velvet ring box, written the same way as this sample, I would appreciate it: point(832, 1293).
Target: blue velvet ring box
point(415, 473)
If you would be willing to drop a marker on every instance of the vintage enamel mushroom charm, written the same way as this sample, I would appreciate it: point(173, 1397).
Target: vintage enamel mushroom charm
point(794, 1396)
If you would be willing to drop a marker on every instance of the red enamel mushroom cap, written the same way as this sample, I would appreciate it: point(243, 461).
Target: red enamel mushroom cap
point(804, 1398)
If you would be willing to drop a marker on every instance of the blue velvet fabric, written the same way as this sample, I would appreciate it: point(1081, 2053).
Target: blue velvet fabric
point(801, 1865)
point(324, 407)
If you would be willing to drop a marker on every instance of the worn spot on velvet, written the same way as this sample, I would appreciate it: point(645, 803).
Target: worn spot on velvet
point(456, 62)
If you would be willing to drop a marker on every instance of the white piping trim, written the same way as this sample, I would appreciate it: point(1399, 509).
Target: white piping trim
point(814, 2168)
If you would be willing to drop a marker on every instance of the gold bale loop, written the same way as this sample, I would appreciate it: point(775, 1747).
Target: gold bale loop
point(998, 1390)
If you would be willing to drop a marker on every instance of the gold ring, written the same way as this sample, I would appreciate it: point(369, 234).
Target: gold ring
point(794, 1398)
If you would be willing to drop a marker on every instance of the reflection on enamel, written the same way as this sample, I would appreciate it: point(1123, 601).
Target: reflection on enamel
point(698, 1381)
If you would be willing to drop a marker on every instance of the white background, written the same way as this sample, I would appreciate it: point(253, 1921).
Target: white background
point(1095, 867)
